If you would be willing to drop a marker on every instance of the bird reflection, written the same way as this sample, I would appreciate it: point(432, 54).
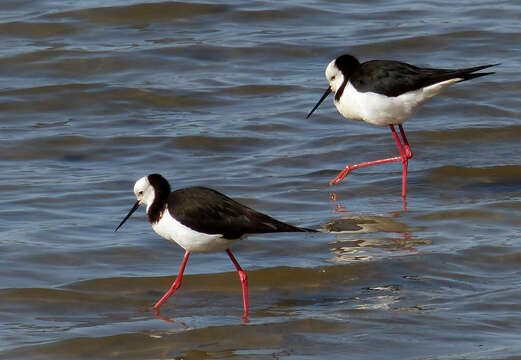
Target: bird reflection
point(359, 238)
point(158, 316)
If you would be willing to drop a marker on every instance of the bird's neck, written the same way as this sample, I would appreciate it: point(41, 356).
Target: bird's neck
point(341, 88)
point(156, 209)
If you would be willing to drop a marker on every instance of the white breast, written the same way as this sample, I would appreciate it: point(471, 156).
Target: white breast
point(190, 240)
point(381, 110)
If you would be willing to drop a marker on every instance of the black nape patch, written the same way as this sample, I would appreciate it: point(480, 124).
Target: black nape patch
point(340, 90)
point(161, 193)
point(347, 64)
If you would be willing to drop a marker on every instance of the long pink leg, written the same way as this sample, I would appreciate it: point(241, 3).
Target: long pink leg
point(244, 283)
point(175, 285)
point(408, 155)
point(349, 168)
point(408, 151)
point(405, 155)
point(405, 162)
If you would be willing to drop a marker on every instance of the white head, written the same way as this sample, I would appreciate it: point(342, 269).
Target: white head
point(337, 72)
point(153, 191)
point(334, 76)
point(144, 191)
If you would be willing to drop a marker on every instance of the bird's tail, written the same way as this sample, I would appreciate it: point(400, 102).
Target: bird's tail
point(307, 230)
point(470, 73)
point(279, 226)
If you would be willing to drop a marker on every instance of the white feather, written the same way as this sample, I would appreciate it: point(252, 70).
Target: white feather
point(190, 240)
point(382, 110)
point(172, 230)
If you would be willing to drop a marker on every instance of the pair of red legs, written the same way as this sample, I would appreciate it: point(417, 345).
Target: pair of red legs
point(405, 155)
point(177, 283)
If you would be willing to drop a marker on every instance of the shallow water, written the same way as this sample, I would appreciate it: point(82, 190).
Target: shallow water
point(92, 97)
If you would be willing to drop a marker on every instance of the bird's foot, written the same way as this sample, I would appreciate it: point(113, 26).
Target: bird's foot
point(341, 175)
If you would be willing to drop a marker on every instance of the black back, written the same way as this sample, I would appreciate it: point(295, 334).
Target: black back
point(208, 211)
point(393, 78)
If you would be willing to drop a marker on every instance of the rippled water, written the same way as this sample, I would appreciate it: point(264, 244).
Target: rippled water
point(94, 96)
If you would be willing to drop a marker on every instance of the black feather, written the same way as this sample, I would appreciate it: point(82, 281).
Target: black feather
point(211, 212)
point(161, 193)
point(393, 78)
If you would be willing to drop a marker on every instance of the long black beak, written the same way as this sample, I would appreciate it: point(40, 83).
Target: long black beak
point(134, 208)
point(328, 91)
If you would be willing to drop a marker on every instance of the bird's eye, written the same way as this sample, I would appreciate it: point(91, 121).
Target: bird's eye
point(140, 193)
point(333, 77)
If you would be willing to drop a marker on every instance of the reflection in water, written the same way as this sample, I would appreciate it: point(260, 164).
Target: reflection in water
point(351, 246)
point(384, 298)
point(380, 302)
point(158, 315)
point(339, 208)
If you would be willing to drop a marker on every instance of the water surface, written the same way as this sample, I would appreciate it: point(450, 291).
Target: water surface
point(94, 96)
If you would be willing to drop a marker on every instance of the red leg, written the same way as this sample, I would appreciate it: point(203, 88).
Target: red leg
point(176, 284)
point(404, 184)
point(405, 155)
point(348, 168)
point(408, 154)
point(408, 151)
point(244, 283)
point(342, 174)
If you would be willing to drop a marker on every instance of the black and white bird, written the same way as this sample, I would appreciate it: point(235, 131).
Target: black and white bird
point(384, 92)
point(201, 220)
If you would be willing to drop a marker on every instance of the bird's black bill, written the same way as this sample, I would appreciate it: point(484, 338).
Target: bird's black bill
point(134, 208)
point(328, 91)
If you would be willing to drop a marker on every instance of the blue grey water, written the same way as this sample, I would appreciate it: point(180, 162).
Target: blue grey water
point(96, 94)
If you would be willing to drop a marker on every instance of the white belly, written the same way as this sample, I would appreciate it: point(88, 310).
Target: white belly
point(381, 110)
point(190, 240)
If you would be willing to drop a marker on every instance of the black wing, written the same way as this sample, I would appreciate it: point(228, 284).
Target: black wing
point(393, 78)
point(208, 211)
